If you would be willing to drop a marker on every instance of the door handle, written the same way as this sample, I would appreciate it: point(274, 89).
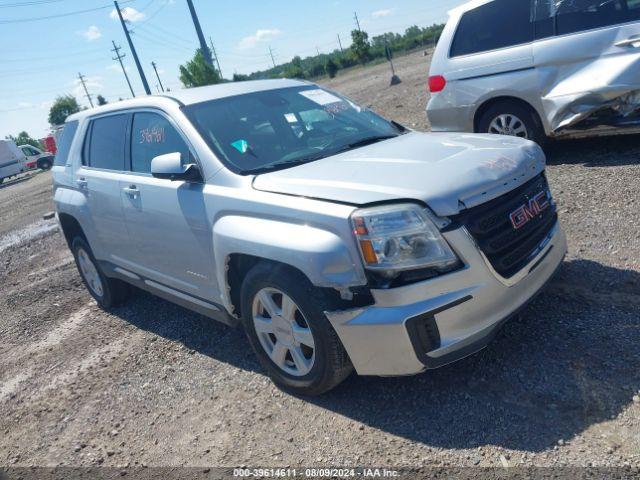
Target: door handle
point(633, 41)
point(132, 191)
point(82, 182)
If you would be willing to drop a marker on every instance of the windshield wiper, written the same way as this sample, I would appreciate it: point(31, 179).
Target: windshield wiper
point(364, 142)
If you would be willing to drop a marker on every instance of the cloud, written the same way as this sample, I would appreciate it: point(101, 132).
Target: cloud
point(115, 67)
point(25, 105)
point(260, 36)
point(92, 33)
point(94, 86)
point(383, 13)
point(128, 13)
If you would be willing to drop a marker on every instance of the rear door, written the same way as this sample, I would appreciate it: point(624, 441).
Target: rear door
point(491, 40)
point(171, 235)
point(103, 166)
point(587, 53)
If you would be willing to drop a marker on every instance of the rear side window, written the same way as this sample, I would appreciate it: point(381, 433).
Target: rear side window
point(64, 143)
point(105, 147)
point(498, 24)
point(152, 135)
point(581, 15)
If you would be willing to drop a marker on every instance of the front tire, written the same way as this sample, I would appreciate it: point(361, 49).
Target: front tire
point(512, 119)
point(108, 292)
point(283, 316)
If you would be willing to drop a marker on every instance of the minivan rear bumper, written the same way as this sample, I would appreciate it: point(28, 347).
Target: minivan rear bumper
point(445, 116)
point(430, 324)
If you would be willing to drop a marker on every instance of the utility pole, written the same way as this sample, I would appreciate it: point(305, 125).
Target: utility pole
point(272, 59)
point(84, 85)
point(155, 69)
point(395, 80)
point(143, 78)
point(318, 50)
point(119, 58)
point(215, 56)
point(203, 44)
point(355, 15)
point(340, 43)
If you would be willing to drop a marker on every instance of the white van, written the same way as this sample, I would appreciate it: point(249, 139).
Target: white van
point(12, 160)
point(538, 68)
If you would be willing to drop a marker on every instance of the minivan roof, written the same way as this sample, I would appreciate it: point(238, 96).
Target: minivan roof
point(191, 96)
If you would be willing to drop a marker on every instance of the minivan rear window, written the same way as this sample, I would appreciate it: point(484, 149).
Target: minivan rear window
point(498, 24)
point(106, 143)
point(64, 143)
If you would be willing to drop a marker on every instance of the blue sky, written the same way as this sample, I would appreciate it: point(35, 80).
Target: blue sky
point(41, 59)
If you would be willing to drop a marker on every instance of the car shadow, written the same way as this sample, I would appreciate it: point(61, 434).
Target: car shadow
point(569, 361)
point(608, 151)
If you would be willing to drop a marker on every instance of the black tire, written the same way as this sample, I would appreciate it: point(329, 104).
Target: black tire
point(113, 292)
point(525, 114)
point(331, 365)
point(44, 164)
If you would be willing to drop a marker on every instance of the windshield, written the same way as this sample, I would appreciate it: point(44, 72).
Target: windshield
point(274, 129)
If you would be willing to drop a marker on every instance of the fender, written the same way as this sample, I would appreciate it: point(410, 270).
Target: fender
point(321, 255)
point(74, 203)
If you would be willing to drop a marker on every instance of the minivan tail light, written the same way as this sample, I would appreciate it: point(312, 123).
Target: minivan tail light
point(437, 83)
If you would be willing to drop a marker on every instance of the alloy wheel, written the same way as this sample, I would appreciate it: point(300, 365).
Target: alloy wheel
point(90, 272)
point(508, 124)
point(283, 332)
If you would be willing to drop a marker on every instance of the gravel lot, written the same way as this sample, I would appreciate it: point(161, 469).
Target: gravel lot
point(153, 384)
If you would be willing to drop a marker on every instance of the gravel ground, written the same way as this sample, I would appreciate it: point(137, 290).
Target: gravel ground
point(153, 384)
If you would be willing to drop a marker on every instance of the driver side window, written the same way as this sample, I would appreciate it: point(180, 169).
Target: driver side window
point(153, 135)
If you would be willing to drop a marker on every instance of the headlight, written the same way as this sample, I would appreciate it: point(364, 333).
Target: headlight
point(396, 238)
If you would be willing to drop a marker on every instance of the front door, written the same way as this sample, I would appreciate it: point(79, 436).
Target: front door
point(587, 53)
point(170, 231)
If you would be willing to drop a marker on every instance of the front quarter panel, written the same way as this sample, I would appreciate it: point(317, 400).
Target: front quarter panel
point(311, 236)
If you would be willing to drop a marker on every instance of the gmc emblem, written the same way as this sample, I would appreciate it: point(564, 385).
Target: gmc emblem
point(527, 212)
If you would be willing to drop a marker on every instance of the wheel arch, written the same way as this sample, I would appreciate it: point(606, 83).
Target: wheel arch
point(71, 227)
point(484, 107)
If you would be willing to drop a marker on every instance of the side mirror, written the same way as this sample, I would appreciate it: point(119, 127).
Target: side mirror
point(170, 167)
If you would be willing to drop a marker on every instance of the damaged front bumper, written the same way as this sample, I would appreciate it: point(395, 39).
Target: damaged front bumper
point(430, 324)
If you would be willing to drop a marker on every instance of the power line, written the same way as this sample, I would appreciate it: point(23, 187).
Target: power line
point(119, 58)
point(84, 85)
point(28, 4)
point(59, 15)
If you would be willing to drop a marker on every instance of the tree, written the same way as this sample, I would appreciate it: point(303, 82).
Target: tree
point(198, 73)
point(239, 77)
point(360, 48)
point(24, 138)
point(101, 100)
point(330, 67)
point(294, 69)
point(63, 107)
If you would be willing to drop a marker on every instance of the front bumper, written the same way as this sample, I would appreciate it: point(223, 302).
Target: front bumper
point(430, 324)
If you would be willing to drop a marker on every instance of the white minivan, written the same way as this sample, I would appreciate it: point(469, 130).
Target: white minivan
point(12, 160)
point(538, 68)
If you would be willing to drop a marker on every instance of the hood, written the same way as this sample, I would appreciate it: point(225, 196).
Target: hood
point(449, 172)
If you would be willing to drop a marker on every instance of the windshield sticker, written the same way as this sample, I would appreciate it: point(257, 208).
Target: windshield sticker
point(336, 108)
point(291, 118)
point(241, 145)
point(320, 97)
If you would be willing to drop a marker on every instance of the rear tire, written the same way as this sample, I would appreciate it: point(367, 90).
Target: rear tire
point(512, 119)
point(44, 165)
point(312, 360)
point(108, 292)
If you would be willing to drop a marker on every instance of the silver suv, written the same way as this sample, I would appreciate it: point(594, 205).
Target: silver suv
point(338, 239)
point(538, 68)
